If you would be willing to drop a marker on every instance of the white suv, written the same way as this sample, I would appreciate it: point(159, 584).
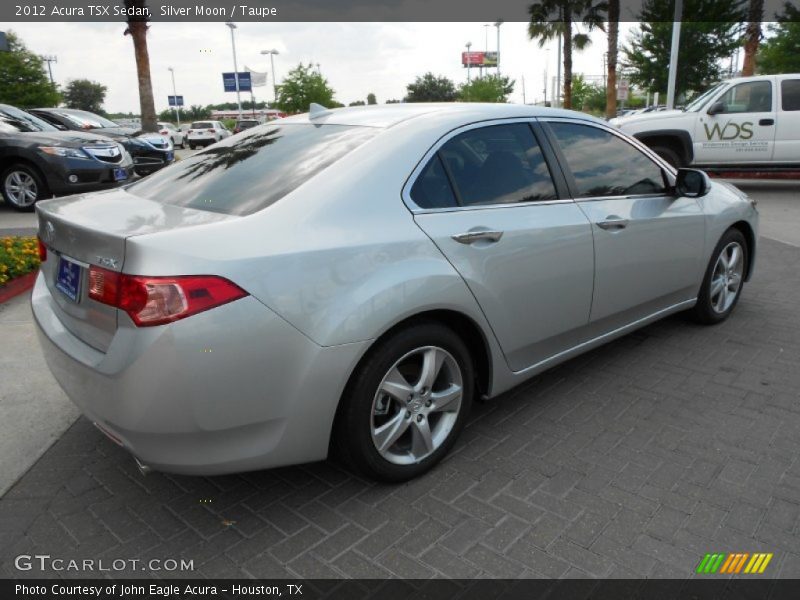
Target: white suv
point(204, 133)
point(749, 122)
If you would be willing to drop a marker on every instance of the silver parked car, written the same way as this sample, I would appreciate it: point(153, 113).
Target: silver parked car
point(349, 281)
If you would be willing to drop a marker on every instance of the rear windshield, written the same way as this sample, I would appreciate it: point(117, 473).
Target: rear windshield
point(248, 172)
point(202, 125)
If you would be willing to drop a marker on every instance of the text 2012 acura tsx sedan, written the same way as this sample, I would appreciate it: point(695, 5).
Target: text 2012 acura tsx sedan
point(351, 280)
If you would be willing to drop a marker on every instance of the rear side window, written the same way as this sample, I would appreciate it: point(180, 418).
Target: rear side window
point(790, 94)
point(248, 172)
point(432, 188)
point(498, 164)
point(602, 164)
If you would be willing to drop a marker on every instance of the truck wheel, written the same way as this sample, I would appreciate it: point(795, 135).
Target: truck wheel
point(669, 155)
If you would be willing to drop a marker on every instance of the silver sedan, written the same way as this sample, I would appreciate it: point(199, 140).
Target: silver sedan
point(350, 281)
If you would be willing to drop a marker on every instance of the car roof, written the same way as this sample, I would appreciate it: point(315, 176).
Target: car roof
point(387, 115)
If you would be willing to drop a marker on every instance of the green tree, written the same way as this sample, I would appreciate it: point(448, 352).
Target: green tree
point(752, 36)
point(23, 81)
point(196, 112)
point(702, 48)
point(84, 94)
point(357, 103)
point(492, 88)
point(780, 53)
point(302, 86)
point(555, 19)
point(371, 99)
point(588, 97)
point(430, 88)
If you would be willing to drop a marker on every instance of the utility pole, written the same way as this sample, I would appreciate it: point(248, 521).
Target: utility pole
point(232, 26)
point(50, 58)
point(469, 62)
point(485, 45)
point(524, 99)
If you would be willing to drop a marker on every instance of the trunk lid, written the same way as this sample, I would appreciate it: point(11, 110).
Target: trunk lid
point(86, 230)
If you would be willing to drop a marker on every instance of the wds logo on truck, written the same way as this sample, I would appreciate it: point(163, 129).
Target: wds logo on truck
point(730, 131)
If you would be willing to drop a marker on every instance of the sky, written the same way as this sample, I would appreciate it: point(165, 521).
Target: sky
point(356, 58)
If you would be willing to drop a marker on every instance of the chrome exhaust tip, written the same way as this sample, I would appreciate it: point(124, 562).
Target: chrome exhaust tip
point(143, 468)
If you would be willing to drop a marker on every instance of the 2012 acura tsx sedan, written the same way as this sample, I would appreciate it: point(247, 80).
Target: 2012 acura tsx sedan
point(349, 281)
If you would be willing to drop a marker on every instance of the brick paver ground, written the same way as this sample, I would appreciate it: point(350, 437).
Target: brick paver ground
point(633, 460)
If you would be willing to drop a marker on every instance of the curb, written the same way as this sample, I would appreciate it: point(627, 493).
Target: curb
point(17, 286)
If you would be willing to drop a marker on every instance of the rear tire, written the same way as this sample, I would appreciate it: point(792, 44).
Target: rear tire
point(191, 146)
point(22, 186)
point(406, 404)
point(669, 155)
point(723, 281)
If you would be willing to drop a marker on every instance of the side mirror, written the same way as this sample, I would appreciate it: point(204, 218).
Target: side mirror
point(692, 183)
point(716, 108)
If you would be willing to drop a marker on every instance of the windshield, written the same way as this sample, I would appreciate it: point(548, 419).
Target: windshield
point(87, 120)
point(703, 98)
point(248, 172)
point(14, 120)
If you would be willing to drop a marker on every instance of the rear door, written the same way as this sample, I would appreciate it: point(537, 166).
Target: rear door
point(487, 197)
point(649, 243)
point(787, 130)
point(744, 132)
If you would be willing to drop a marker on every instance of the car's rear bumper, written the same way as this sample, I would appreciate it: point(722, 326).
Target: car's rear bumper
point(232, 389)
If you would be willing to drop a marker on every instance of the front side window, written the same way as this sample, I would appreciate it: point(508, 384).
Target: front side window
point(248, 172)
point(753, 96)
point(497, 164)
point(790, 94)
point(603, 164)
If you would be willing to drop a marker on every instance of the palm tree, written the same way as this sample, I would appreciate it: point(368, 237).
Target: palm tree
point(137, 29)
point(552, 19)
point(752, 36)
point(613, 39)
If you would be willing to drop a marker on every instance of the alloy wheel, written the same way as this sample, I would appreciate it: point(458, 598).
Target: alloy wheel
point(21, 188)
point(727, 277)
point(417, 405)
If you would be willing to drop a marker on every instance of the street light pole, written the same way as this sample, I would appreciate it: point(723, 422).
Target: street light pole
point(673, 54)
point(272, 54)
point(469, 62)
point(232, 26)
point(175, 95)
point(485, 45)
point(497, 24)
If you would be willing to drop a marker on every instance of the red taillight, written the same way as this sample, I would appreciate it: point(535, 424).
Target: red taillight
point(210, 130)
point(190, 131)
point(159, 300)
point(42, 251)
point(163, 132)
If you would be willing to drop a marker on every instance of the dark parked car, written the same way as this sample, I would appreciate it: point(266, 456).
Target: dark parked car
point(243, 124)
point(38, 161)
point(150, 151)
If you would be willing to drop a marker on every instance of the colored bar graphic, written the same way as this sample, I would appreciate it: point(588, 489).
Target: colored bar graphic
point(733, 563)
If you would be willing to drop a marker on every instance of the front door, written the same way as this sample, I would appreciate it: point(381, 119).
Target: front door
point(648, 242)
point(744, 132)
point(488, 201)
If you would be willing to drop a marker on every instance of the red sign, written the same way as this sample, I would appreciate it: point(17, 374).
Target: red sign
point(472, 58)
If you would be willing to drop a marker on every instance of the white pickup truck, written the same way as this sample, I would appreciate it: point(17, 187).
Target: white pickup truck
point(744, 123)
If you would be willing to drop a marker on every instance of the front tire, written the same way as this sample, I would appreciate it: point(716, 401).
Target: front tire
point(724, 279)
point(22, 187)
point(406, 404)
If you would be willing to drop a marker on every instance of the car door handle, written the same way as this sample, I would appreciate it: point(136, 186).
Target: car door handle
point(613, 223)
point(767, 122)
point(470, 237)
